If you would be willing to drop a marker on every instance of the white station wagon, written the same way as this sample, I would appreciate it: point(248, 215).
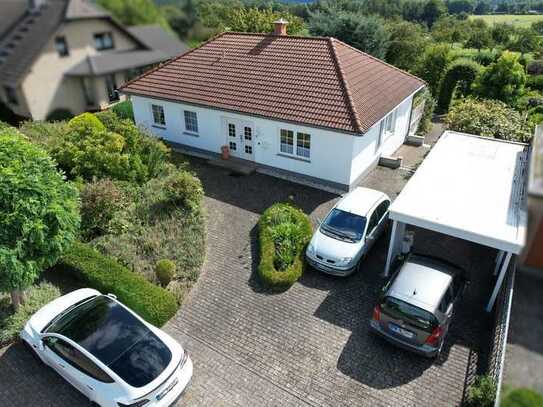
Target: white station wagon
point(348, 232)
point(107, 352)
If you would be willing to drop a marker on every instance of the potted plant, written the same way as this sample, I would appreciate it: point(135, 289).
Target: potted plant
point(225, 152)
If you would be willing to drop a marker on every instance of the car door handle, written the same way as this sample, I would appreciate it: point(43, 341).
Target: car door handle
point(62, 366)
point(90, 388)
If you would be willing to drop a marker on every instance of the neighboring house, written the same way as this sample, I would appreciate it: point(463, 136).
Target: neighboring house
point(70, 54)
point(312, 109)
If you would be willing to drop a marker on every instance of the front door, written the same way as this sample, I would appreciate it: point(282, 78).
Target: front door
point(240, 136)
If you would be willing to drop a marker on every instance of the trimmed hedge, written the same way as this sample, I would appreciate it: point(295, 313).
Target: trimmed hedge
point(271, 228)
point(460, 74)
point(152, 303)
point(522, 397)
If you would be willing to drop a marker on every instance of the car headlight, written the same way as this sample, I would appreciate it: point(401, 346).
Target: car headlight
point(346, 260)
point(311, 249)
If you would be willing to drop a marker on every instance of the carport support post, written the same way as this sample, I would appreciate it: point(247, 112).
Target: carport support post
point(499, 259)
point(503, 271)
point(396, 237)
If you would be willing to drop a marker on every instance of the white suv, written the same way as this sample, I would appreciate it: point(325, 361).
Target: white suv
point(107, 352)
point(348, 232)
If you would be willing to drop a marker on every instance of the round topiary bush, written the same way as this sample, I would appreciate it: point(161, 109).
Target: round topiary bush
point(284, 231)
point(460, 75)
point(522, 398)
point(481, 393)
point(165, 271)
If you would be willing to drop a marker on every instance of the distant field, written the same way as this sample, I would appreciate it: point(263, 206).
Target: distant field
point(517, 20)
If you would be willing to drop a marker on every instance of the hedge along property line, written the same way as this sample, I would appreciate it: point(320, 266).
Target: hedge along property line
point(152, 303)
point(281, 214)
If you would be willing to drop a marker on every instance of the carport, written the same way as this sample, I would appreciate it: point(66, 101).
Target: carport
point(472, 188)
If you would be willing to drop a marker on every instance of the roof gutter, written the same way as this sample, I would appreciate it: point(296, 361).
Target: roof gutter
point(314, 126)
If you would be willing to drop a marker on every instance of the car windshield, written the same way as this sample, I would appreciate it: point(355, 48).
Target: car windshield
point(344, 225)
point(399, 309)
point(116, 338)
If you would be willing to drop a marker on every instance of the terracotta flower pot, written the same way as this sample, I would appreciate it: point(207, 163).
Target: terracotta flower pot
point(225, 152)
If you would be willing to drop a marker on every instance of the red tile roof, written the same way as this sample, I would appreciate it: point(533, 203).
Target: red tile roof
point(311, 80)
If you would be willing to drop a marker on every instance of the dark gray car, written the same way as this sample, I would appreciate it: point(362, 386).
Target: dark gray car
point(417, 304)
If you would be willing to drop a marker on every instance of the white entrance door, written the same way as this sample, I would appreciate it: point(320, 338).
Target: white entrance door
point(240, 136)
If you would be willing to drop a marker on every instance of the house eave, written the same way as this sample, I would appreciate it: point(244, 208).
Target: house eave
point(202, 105)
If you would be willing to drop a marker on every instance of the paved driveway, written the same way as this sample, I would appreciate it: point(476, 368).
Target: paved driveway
point(310, 346)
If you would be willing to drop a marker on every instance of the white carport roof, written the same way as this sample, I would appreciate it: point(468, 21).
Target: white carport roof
point(469, 187)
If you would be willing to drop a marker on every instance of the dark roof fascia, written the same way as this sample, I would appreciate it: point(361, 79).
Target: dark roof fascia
point(260, 116)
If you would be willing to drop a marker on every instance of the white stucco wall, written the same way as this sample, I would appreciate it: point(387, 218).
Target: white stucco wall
point(330, 151)
point(45, 87)
point(336, 157)
point(366, 149)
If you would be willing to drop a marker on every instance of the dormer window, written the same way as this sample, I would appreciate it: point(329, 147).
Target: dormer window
point(62, 46)
point(103, 41)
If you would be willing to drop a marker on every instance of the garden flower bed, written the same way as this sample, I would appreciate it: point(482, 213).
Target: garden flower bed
point(284, 232)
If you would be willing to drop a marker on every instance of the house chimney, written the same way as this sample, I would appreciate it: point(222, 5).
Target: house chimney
point(280, 27)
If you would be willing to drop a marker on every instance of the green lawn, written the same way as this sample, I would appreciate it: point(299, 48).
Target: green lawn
point(517, 20)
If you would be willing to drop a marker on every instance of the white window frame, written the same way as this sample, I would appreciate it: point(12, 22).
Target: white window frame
point(388, 125)
point(162, 115)
point(192, 121)
point(294, 150)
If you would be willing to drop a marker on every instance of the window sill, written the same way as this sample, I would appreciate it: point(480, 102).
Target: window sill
point(293, 157)
point(156, 126)
point(186, 133)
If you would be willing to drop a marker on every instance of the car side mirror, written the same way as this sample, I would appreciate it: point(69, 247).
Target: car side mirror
point(112, 296)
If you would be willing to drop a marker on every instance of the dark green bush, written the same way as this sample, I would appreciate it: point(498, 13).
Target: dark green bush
point(124, 110)
point(59, 115)
point(535, 82)
point(460, 75)
point(152, 303)
point(283, 232)
point(101, 201)
point(165, 271)
point(481, 393)
point(522, 398)
point(182, 188)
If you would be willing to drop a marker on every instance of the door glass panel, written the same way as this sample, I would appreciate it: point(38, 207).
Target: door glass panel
point(248, 133)
point(249, 149)
point(233, 146)
point(232, 130)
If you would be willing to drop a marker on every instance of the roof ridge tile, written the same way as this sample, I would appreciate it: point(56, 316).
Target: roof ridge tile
point(341, 76)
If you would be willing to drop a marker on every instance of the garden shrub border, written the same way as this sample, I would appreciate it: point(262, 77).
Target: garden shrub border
point(152, 303)
point(270, 276)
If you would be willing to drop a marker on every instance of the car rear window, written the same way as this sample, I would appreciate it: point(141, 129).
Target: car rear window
point(416, 316)
point(117, 338)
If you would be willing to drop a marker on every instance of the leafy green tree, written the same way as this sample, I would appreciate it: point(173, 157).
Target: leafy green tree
point(525, 40)
point(135, 12)
point(413, 10)
point(502, 33)
point(261, 21)
point(479, 38)
point(451, 30)
point(502, 80)
point(39, 215)
point(407, 40)
point(460, 6)
point(538, 27)
point(489, 118)
point(433, 66)
point(482, 7)
point(366, 33)
point(433, 9)
point(383, 8)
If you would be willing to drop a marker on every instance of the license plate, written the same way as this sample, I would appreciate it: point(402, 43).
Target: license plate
point(399, 330)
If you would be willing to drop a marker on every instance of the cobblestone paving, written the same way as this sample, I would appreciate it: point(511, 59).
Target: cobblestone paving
point(309, 346)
